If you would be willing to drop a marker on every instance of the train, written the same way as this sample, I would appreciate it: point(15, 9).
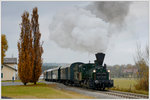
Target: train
point(90, 75)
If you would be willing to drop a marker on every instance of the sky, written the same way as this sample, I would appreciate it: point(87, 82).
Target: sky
point(120, 48)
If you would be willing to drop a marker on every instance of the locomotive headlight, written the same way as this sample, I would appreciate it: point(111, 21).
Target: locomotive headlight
point(96, 81)
point(94, 71)
point(108, 71)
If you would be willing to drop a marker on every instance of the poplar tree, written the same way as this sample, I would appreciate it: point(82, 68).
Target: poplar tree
point(38, 50)
point(25, 50)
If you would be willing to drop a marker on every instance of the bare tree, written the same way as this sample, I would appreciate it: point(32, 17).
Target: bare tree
point(142, 63)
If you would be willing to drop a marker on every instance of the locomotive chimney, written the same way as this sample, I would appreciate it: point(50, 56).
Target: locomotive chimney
point(100, 58)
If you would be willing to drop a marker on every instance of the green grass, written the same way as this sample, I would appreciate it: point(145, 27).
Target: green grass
point(41, 91)
point(127, 85)
point(124, 83)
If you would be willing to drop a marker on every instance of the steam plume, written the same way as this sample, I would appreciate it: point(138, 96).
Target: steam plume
point(88, 29)
point(112, 12)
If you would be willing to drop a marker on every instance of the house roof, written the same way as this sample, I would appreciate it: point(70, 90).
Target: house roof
point(10, 67)
point(10, 61)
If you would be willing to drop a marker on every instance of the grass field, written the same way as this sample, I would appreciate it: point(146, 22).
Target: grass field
point(127, 85)
point(40, 91)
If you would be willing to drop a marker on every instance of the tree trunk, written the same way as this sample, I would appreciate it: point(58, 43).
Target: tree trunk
point(34, 82)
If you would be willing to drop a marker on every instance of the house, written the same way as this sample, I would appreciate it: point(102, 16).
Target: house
point(9, 69)
point(130, 70)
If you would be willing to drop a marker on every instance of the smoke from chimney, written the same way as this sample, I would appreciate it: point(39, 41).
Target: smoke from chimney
point(88, 29)
point(113, 11)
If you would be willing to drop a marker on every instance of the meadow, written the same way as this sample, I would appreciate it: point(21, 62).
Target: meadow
point(40, 91)
point(127, 85)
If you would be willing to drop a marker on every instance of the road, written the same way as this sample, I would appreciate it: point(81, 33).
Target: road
point(11, 83)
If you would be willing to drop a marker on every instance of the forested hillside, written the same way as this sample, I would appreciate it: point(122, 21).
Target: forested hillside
point(123, 71)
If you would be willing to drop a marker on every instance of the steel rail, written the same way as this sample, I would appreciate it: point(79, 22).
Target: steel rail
point(125, 94)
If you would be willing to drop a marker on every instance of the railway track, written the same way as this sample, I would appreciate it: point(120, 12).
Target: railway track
point(126, 95)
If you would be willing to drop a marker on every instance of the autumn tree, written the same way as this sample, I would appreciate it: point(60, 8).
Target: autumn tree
point(26, 51)
point(4, 47)
point(142, 63)
point(38, 50)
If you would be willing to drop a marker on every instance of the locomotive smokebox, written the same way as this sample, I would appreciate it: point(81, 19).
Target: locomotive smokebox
point(100, 58)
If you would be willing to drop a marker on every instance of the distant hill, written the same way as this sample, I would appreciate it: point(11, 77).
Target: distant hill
point(47, 66)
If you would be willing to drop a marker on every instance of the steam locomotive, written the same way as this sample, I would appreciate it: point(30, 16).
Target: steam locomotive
point(89, 75)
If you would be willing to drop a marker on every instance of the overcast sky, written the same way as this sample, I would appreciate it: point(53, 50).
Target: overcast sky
point(122, 46)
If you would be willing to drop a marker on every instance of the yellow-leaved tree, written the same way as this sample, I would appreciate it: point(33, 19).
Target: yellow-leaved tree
point(26, 51)
point(38, 50)
point(4, 47)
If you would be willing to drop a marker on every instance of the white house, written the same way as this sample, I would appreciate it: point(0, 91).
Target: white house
point(9, 69)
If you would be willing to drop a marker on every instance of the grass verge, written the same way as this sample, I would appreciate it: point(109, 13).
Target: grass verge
point(40, 91)
point(127, 85)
